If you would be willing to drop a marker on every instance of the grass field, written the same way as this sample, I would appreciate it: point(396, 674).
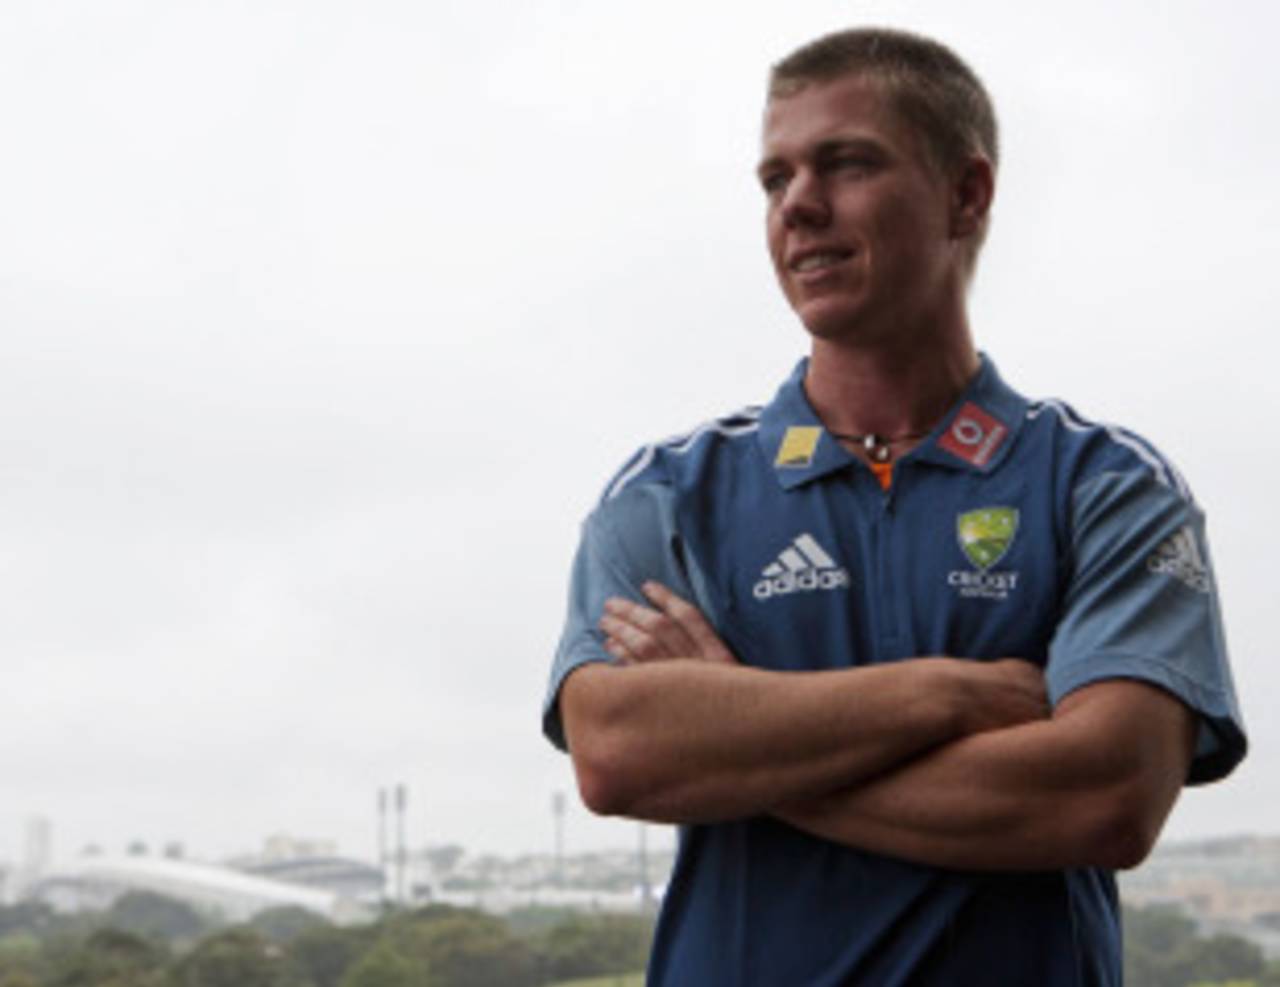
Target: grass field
point(618, 980)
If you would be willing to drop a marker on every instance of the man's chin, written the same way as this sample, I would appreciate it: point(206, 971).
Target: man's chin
point(833, 322)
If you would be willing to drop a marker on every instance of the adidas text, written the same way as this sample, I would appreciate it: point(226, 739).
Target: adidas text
point(804, 566)
point(799, 582)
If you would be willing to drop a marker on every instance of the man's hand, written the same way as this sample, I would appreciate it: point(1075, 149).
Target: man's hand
point(1014, 789)
point(679, 731)
point(1090, 787)
point(987, 695)
point(674, 628)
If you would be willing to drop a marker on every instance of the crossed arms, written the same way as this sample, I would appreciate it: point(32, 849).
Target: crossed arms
point(947, 762)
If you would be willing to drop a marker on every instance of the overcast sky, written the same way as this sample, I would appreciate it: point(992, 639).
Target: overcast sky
point(322, 324)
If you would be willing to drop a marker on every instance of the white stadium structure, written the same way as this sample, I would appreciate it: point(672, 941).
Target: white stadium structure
point(95, 882)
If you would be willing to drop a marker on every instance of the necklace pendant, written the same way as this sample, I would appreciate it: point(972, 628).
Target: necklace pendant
point(876, 447)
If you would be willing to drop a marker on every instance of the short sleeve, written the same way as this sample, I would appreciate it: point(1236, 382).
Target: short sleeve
point(625, 541)
point(1142, 604)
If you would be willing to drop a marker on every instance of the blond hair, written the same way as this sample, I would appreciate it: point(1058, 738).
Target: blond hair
point(925, 81)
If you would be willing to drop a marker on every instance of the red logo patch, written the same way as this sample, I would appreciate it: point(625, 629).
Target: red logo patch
point(974, 436)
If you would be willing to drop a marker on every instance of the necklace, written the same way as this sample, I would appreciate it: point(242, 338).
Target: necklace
point(878, 447)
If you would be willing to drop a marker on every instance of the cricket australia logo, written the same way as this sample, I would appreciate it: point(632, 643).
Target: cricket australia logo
point(1179, 556)
point(984, 536)
point(802, 567)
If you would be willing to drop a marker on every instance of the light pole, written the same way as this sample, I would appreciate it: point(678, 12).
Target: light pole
point(557, 814)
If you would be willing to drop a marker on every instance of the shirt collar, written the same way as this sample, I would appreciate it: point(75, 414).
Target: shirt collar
point(975, 434)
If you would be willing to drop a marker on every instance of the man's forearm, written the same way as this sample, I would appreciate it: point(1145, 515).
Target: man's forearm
point(1090, 787)
point(694, 741)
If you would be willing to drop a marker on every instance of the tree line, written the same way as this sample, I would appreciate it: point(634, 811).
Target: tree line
point(147, 940)
point(1163, 948)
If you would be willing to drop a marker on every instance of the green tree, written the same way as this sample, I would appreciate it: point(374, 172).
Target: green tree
point(286, 923)
point(156, 916)
point(464, 948)
point(591, 945)
point(1154, 940)
point(1222, 957)
point(33, 917)
point(238, 957)
point(385, 966)
point(325, 953)
point(1162, 949)
point(20, 959)
point(110, 958)
point(1159, 928)
point(533, 921)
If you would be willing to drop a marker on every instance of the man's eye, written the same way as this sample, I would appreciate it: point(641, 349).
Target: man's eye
point(850, 163)
point(773, 183)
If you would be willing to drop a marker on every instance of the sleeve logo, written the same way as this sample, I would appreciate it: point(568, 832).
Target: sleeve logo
point(1179, 556)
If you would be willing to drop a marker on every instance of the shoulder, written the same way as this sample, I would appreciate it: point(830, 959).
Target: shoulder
point(1090, 452)
point(687, 459)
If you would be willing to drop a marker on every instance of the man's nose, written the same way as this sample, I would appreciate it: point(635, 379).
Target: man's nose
point(805, 202)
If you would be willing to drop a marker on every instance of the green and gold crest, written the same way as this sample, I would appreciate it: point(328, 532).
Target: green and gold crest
point(986, 534)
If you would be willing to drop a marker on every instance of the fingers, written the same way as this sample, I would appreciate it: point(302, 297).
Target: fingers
point(671, 628)
point(706, 642)
point(1029, 678)
point(642, 634)
point(619, 651)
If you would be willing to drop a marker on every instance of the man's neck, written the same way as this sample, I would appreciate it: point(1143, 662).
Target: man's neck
point(887, 390)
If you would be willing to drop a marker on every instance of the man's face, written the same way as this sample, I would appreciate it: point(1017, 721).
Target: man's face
point(858, 216)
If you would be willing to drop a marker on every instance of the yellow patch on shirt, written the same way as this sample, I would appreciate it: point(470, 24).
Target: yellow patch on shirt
point(798, 446)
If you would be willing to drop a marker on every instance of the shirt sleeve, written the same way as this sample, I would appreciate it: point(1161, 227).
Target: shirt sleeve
point(1142, 604)
point(625, 541)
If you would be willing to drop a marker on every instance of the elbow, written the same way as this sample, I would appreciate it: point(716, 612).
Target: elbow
point(601, 775)
point(614, 779)
point(602, 752)
point(1126, 835)
point(1125, 845)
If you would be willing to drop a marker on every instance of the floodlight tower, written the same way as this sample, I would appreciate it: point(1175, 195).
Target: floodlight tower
point(402, 857)
point(557, 815)
point(646, 889)
point(382, 840)
point(37, 856)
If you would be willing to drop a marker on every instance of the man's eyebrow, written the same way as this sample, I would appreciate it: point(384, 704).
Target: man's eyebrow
point(767, 165)
point(826, 148)
point(863, 145)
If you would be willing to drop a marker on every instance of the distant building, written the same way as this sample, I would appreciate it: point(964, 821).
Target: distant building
point(1226, 885)
point(281, 846)
point(346, 878)
point(315, 864)
point(95, 882)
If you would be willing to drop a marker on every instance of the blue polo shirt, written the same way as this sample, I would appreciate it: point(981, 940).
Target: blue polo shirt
point(1015, 528)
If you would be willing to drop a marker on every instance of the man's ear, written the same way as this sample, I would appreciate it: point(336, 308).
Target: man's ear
point(971, 195)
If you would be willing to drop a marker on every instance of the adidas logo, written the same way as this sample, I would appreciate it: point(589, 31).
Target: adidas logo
point(1179, 556)
point(802, 567)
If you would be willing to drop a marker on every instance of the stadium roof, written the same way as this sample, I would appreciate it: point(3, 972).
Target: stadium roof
point(209, 887)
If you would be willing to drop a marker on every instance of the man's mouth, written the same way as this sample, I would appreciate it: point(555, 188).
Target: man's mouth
point(816, 260)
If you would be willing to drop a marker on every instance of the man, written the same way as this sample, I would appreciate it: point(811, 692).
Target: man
point(915, 662)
